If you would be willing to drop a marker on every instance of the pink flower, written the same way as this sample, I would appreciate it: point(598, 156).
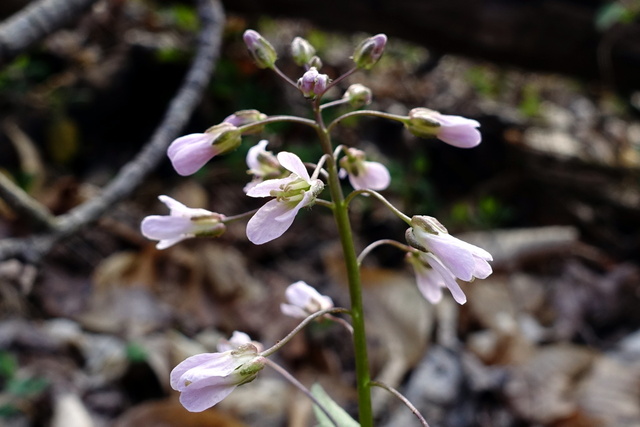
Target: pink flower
point(464, 260)
point(432, 276)
point(291, 194)
point(364, 174)
point(303, 301)
point(205, 379)
point(262, 165)
point(454, 130)
point(191, 152)
point(181, 223)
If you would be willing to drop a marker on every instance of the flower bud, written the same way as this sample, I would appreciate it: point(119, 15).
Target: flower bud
point(260, 49)
point(312, 83)
point(369, 51)
point(358, 95)
point(302, 51)
point(423, 122)
point(226, 137)
point(246, 117)
point(315, 62)
point(454, 130)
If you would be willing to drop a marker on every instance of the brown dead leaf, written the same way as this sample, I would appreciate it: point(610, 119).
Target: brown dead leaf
point(169, 413)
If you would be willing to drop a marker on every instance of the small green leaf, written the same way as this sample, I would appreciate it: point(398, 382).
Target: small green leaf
point(8, 365)
point(339, 415)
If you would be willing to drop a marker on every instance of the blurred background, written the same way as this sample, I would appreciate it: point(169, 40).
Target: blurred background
point(90, 330)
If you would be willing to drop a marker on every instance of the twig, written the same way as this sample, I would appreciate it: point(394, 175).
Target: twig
point(404, 400)
point(35, 22)
point(134, 172)
point(293, 380)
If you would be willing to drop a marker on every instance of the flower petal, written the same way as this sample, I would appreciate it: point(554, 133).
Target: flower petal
point(430, 283)
point(455, 257)
point(254, 152)
point(375, 177)
point(217, 364)
point(263, 226)
point(292, 163)
point(448, 277)
point(264, 188)
point(191, 152)
point(199, 399)
point(461, 136)
point(293, 311)
point(159, 227)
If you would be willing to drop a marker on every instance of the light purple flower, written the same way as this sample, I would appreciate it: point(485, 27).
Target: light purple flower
point(291, 194)
point(432, 276)
point(464, 260)
point(364, 174)
point(191, 152)
point(237, 340)
point(303, 301)
point(262, 165)
point(205, 379)
point(181, 223)
point(454, 130)
point(312, 83)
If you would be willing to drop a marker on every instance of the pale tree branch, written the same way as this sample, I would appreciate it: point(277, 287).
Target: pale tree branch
point(132, 174)
point(35, 22)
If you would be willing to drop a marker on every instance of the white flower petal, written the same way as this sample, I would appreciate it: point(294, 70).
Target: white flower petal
point(254, 152)
point(264, 188)
point(292, 163)
point(448, 277)
point(263, 226)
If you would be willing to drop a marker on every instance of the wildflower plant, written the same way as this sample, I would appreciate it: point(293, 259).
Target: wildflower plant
point(291, 184)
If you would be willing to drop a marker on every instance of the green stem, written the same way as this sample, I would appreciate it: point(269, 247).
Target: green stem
point(341, 216)
point(371, 113)
point(381, 198)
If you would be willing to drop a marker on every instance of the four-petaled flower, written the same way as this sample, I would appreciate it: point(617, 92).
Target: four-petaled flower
point(303, 301)
point(454, 130)
point(205, 379)
point(262, 165)
point(181, 223)
point(191, 152)
point(448, 256)
point(291, 194)
point(364, 174)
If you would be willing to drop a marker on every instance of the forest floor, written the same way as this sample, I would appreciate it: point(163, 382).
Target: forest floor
point(91, 332)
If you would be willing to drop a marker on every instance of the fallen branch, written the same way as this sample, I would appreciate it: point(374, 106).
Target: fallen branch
point(133, 173)
point(35, 22)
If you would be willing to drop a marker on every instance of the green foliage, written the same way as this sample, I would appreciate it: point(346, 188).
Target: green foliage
point(15, 387)
point(8, 365)
point(530, 101)
point(136, 353)
point(617, 13)
point(487, 213)
point(483, 81)
point(339, 415)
